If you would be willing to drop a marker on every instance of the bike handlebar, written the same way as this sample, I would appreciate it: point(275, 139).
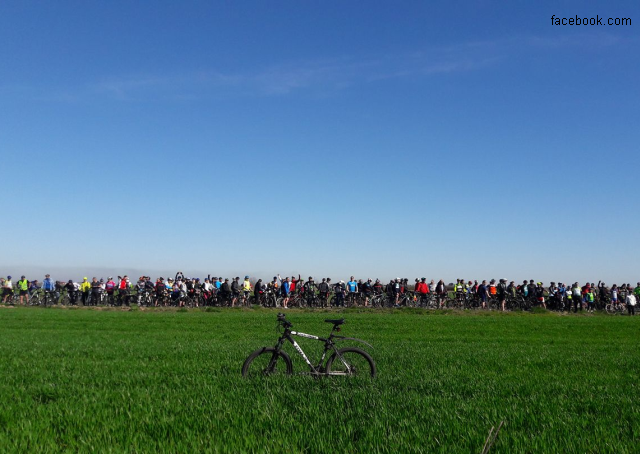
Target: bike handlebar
point(283, 320)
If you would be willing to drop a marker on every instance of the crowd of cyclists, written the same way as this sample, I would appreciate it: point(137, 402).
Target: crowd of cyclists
point(181, 291)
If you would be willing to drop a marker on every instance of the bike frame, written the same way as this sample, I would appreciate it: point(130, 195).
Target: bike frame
point(329, 344)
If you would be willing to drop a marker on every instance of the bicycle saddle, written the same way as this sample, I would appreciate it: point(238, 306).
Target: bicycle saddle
point(336, 322)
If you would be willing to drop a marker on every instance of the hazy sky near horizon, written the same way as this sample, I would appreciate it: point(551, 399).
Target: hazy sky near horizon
point(449, 139)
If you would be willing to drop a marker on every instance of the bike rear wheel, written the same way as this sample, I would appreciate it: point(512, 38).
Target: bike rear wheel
point(351, 361)
point(266, 362)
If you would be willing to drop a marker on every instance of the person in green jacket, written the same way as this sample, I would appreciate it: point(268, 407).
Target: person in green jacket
point(591, 299)
point(636, 291)
point(23, 288)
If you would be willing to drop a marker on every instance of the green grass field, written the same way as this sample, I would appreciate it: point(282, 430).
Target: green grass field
point(140, 381)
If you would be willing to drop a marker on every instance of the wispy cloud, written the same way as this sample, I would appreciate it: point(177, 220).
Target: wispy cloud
point(321, 76)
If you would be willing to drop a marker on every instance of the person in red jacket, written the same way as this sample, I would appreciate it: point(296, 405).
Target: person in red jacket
point(422, 290)
point(123, 290)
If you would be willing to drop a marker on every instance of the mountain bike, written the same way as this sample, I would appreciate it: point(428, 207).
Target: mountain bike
point(348, 361)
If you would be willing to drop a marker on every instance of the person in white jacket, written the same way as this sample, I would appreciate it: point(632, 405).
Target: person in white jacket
point(631, 303)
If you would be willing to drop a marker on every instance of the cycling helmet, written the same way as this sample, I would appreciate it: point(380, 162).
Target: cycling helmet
point(22, 277)
point(70, 281)
point(84, 278)
point(110, 277)
point(197, 279)
point(246, 277)
point(8, 277)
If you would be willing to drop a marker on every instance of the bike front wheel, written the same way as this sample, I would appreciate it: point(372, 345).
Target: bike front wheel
point(351, 361)
point(267, 362)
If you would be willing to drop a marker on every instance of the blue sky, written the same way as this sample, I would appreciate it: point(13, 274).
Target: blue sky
point(379, 139)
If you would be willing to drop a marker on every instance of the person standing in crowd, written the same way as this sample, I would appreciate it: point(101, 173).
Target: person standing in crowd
point(483, 293)
point(614, 294)
point(631, 303)
point(34, 286)
point(85, 288)
point(309, 290)
point(23, 288)
point(71, 291)
point(576, 297)
point(246, 290)
point(48, 285)
point(225, 291)
point(123, 290)
point(352, 290)
point(286, 291)
point(339, 290)
point(323, 290)
point(96, 288)
point(501, 291)
point(441, 292)
point(591, 299)
point(422, 290)
point(235, 290)
point(258, 290)
point(161, 290)
point(540, 294)
point(7, 290)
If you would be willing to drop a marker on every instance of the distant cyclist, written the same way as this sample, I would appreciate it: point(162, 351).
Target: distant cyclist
point(631, 303)
point(23, 288)
point(309, 291)
point(441, 292)
point(352, 290)
point(501, 292)
point(7, 290)
point(258, 290)
point(377, 287)
point(49, 286)
point(70, 287)
point(323, 290)
point(339, 290)
point(85, 288)
point(96, 289)
point(246, 290)
point(123, 290)
point(161, 290)
point(540, 294)
point(286, 293)
point(576, 297)
point(483, 293)
point(422, 290)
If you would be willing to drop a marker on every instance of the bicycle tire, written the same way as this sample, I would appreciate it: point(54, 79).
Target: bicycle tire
point(360, 363)
point(258, 362)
